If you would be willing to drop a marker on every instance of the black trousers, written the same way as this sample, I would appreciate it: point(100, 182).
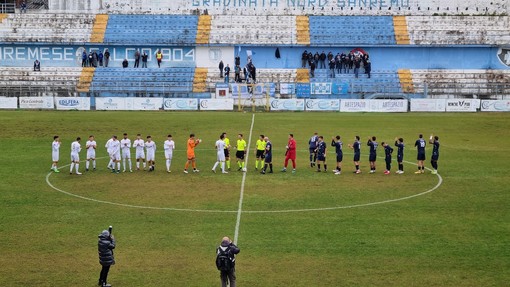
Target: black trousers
point(104, 274)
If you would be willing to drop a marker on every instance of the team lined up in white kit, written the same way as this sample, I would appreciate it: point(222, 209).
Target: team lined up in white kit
point(144, 152)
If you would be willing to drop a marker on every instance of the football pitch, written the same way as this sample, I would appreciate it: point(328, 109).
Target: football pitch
point(302, 229)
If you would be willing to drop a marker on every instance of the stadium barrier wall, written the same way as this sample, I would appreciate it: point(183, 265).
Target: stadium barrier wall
point(227, 104)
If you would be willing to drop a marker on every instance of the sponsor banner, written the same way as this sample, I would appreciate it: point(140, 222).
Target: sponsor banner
point(147, 104)
point(428, 105)
point(494, 106)
point(321, 88)
point(354, 106)
point(462, 105)
point(36, 103)
point(288, 105)
point(322, 105)
point(69, 103)
point(8, 102)
point(287, 89)
point(217, 104)
point(340, 88)
point(180, 104)
point(222, 90)
point(261, 90)
point(112, 104)
point(388, 106)
point(239, 90)
point(302, 90)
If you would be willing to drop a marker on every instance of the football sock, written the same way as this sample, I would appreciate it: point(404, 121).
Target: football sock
point(222, 164)
point(167, 164)
point(401, 167)
point(318, 166)
point(77, 167)
point(271, 167)
point(357, 167)
point(265, 167)
point(87, 164)
point(129, 162)
point(110, 163)
point(94, 164)
point(215, 165)
point(325, 167)
point(242, 164)
point(144, 164)
point(118, 166)
point(137, 164)
point(228, 163)
point(124, 163)
point(257, 164)
point(72, 166)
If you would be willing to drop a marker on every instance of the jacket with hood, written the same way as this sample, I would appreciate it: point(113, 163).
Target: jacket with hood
point(233, 250)
point(105, 246)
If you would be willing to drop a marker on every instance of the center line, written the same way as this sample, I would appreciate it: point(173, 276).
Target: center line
point(240, 209)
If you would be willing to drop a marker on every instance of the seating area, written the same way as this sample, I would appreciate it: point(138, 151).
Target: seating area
point(151, 29)
point(263, 76)
point(147, 82)
point(458, 30)
point(50, 81)
point(47, 28)
point(256, 30)
point(455, 83)
point(349, 30)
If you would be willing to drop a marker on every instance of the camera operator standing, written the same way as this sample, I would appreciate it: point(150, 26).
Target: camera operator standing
point(105, 246)
point(226, 261)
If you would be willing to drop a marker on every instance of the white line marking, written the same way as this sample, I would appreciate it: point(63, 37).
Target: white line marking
point(440, 182)
point(240, 209)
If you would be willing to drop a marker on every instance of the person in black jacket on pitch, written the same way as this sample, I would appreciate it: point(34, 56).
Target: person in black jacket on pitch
point(105, 246)
point(226, 262)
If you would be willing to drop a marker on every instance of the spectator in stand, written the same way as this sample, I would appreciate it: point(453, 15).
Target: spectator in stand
point(245, 72)
point(91, 59)
point(332, 65)
point(227, 74)
point(100, 57)
point(357, 65)
point(125, 63)
point(304, 59)
point(94, 59)
point(106, 57)
point(312, 69)
point(23, 7)
point(159, 57)
point(330, 56)
point(237, 71)
point(144, 60)
point(338, 64)
point(84, 59)
point(322, 58)
point(221, 66)
point(37, 66)
point(137, 58)
point(310, 58)
point(351, 60)
point(316, 59)
point(343, 59)
point(368, 68)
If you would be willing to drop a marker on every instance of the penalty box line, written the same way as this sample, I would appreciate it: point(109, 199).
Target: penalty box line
point(241, 193)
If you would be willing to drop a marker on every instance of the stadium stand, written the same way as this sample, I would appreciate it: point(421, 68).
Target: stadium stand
point(47, 28)
point(151, 29)
point(50, 81)
point(263, 76)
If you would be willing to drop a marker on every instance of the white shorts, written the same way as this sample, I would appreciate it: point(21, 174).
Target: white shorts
point(126, 153)
point(221, 156)
point(91, 154)
point(75, 157)
point(115, 156)
point(150, 156)
point(140, 155)
point(169, 155)
point(55, 156)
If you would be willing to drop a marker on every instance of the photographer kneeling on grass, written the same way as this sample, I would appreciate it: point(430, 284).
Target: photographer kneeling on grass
point(105, 246)
point(226, 261)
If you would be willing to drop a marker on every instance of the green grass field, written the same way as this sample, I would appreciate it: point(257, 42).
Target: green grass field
point(298, 229)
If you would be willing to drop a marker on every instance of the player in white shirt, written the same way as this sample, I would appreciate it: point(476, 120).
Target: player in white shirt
point(169, 147)
point(55, 153)
point(75, 156)
point(107, 146)
point(139, 144)
point(125, 145)
point(115, 153)
point(150, 147)
point(220, 151)
point(91, 146)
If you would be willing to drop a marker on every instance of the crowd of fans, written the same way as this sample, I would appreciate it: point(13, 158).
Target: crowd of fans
point(341, 63)
point(249, 71)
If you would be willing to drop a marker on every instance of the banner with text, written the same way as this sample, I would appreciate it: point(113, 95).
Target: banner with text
point(428, 105)
point(388, 106)
point(147, 104)
point(112, 104)
point(322, 105)
point(288, 105)
point(66, 103)
point(321, 88)
point(8, 102)
point(462, 105)
point(354, 106)
point(217, 104)
point(287, 88)
point(495, 106)
point(36, 103)
point(173, 104)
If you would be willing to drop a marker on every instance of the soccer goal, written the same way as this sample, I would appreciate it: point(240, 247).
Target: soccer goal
point(256, 96)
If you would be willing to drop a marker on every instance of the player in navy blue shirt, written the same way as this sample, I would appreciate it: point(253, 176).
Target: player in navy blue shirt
point(356, 146)
point(399, 143)
point(372, 157)
point(268, 156)
point(312, 143)
point(337, 143)
point(388, 150)
point(434, 140)
point(420, 145)
point(321, 154)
